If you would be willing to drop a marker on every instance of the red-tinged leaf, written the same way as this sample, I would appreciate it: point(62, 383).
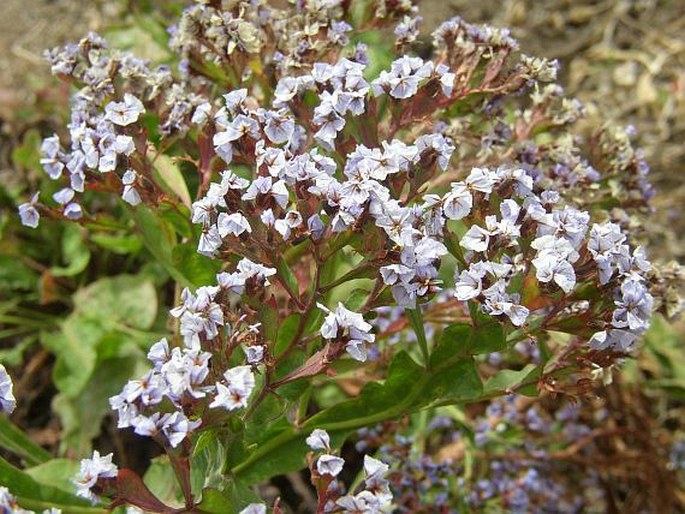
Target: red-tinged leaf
point(132, 489)
point(317, 363)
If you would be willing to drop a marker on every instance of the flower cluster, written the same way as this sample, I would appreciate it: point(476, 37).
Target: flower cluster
point(373, 497)
point(419, 195)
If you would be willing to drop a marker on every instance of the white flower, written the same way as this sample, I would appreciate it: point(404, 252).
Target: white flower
point(457, 203)
point(469, 282)
point(234, 224)
point(278, 128)
point(552, 267)
point(293, 219)
point(476, 239)
point(126, 112)
point(28, 213)
point(210, 241)
point(329, 465)
point(240, 382)
point(91, 471)
point(319, 440)
point(249, 269)
point(7, 400)
point(349, 325)
point(201, 114)
point(254, 354)
point(393, 273)
point(176, 427)
point(130, 194)
point(481, 179)
point(73, 211)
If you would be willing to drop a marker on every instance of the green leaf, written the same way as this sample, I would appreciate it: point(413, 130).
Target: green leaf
point(356, 299)
point(455, 340)
point(215, 502)
point(507, 379)
point(75, 350)
point(14, 274)
point(488, 338)
point(27, 155)
point(458, 382)
point(122, 299)
point(35, 495)
point(82, 414)
point(463, 339)
point(207, 463)
point(57, 473)
point(178, 217)
point(74, 252)
point(233, 497)
point(161, 480)
point(199, 269)
point(171, 178)
point(407, 388)
point(287, 276)
point(122, 245)
point(286, 333)
point(159, 238)
point(16, 441)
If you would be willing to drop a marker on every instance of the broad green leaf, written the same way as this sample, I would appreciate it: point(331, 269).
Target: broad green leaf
point(455, 340)
point(82, 414)
point(35, 495)
point(74, 252)
point(76, 355)
point(58, 473)
point(288, 277)
point(356, 299)
point(457, 383)
point(207, 463)
point(12, 438)
point(161, 480)
point(271, 409)
point(27, 155)
point(215, 502)
point(14, 274)
point(488, 338)
point(232, 497)
point(124, 299)
point(407, 388)
point(465, 339)
point(199, 269)
point(286, 333)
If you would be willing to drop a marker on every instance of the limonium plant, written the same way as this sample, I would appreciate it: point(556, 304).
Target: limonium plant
point(392, 218)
